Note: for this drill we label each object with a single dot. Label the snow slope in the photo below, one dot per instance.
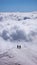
(18, 28)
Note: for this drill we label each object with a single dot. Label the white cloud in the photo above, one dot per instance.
(15, 27)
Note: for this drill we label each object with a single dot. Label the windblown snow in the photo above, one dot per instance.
(18, 28)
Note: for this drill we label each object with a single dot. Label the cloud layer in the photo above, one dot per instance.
(18, 26)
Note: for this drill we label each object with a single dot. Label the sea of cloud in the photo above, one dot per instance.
(18, 28)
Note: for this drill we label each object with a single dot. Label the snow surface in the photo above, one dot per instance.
(18, 28)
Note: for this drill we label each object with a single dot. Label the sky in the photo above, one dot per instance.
(18, 5)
